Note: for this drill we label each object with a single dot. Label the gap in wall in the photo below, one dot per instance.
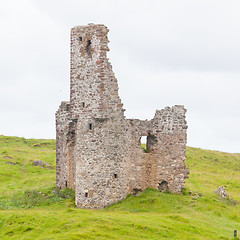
(143, 141)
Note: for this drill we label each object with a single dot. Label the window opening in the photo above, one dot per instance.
(88, 48)
(90, 126)
(83, 104)
(115, 175)
(89, 43)
(86, 194)
(143, 141)
(80, 39)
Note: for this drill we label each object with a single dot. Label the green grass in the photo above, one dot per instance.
(32, 208)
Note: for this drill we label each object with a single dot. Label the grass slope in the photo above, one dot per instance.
(40, 214)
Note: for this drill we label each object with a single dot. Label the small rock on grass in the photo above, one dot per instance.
(222, 192)
(12, 163)
(38, 162)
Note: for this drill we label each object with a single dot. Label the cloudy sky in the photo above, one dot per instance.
(163, 53)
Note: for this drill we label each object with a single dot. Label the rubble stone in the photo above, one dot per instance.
(222, 192)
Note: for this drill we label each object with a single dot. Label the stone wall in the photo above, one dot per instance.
(65, 143)
(99, 152)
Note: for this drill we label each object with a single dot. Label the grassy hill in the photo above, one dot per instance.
(32, 208)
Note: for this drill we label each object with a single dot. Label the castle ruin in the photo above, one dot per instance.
(99, 152)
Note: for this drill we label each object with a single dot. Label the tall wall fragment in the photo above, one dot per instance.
(99, 152)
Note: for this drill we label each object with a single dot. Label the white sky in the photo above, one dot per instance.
(163, 53)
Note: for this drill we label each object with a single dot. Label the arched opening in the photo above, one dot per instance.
(163, 186)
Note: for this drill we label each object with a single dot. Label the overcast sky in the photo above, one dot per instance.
(163, 53)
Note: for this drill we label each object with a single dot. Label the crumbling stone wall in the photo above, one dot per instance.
(99, 152)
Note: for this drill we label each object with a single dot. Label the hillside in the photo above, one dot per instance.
(32, 208)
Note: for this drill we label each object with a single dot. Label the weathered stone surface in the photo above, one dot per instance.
(99, 152)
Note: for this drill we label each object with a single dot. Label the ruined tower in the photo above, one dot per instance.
(99, 152)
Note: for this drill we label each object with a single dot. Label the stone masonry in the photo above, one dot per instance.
(99, 152)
